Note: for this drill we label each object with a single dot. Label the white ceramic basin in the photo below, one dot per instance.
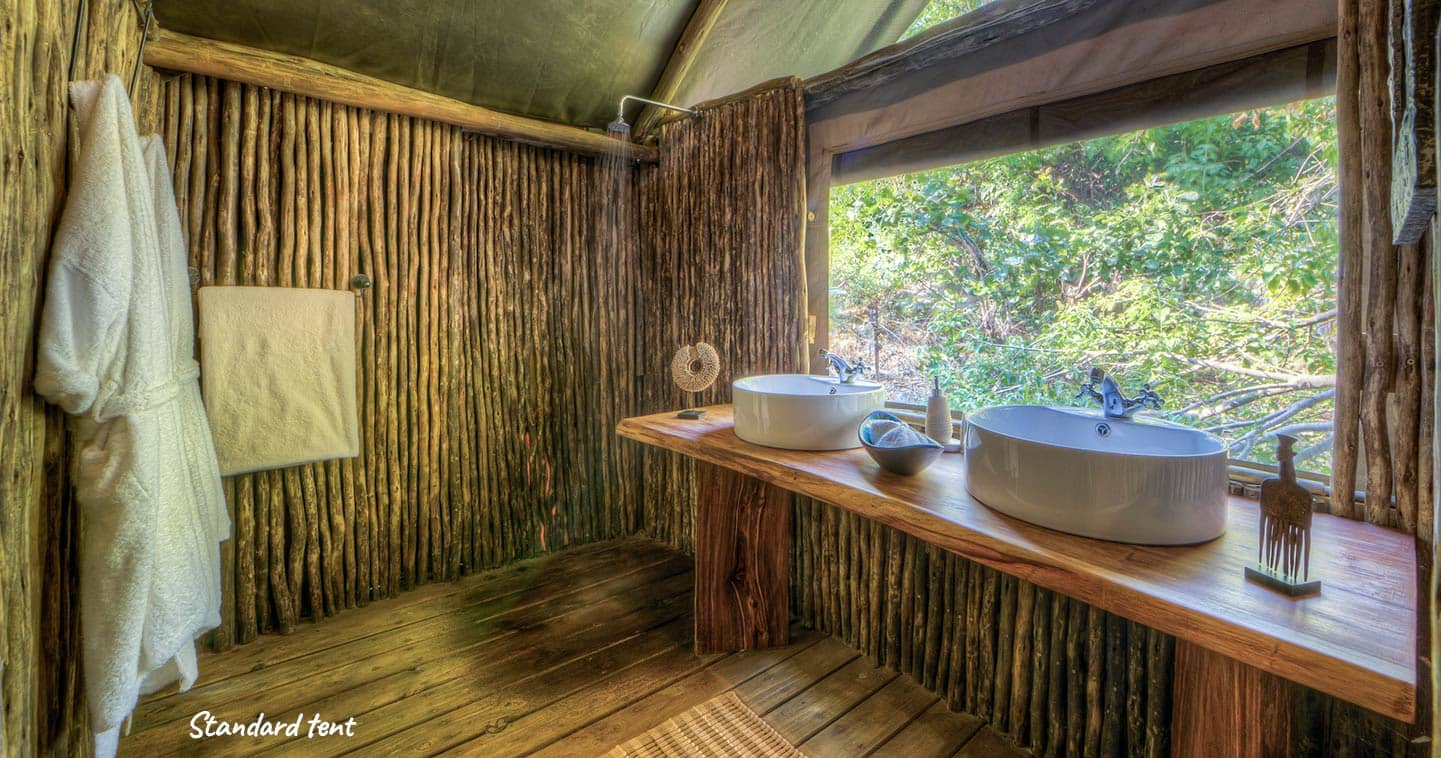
(802, 411)
(1076, 471)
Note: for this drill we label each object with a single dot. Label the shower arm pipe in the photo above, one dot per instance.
(620, 112)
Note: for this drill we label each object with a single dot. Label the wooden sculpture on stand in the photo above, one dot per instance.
(1284, 539)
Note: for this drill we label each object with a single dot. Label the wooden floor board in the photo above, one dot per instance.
(989, 743)
(475, 712)
(608, 730)
(568, 655)
(572, 712)
(568, 571)
(398, 701)
(375, 656)
(768, 691)
(933, 734)
(806, 714)
(869, 724)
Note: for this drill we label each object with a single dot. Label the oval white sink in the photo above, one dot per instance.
(803, 411)
(1078, 472)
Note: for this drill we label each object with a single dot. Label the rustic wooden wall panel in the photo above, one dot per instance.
(1061, 677)
(1381, 293)
(492, 359)
(510, 287)
(722, 218)
(44, 44)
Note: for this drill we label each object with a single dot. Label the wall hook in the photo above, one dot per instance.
(146, 10)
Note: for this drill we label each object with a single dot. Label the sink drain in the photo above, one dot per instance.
(1103, 430)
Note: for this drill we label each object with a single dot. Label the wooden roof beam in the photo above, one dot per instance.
(682, 58)
(311, 78)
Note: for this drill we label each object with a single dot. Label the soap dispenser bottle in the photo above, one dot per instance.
(938, 414)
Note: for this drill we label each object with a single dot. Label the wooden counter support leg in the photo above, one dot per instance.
(1226, 708)
(742, 562)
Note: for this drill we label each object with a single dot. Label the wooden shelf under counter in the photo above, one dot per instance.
(1355, 641)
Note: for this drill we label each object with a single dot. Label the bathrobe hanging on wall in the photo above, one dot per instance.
(116, 350)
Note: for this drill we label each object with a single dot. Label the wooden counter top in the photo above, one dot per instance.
(1356, 641)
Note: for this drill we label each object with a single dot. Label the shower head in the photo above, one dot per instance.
(618, 126)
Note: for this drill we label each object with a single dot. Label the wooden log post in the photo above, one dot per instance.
(742, 536)
(174, 51)
(1223, 707)
(1381, 276)
(1350, 347)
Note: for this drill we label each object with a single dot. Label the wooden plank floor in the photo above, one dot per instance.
(567, 655)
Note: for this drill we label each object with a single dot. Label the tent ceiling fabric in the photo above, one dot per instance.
(758, 40)
(558, 60)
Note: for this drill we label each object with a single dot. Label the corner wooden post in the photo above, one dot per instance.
(742, 562)
(1223, 707)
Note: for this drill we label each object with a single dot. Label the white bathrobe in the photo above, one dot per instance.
(117, 351)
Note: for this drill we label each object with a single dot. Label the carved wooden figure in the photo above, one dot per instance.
(1284, 543)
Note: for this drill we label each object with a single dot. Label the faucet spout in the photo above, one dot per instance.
(846, 372)
(1113, 403)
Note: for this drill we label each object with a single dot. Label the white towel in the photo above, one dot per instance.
(278, 367)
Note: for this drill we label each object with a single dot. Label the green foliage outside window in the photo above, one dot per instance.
(940, 11)
(1199, 256)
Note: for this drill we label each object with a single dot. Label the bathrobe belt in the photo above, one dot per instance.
(150, 397)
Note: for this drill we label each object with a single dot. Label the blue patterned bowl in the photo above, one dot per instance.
(895, 446)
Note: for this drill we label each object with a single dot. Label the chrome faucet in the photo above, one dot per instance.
(848, 373)
(1113, 403)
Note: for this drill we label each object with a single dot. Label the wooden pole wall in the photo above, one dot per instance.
(1061, 677)
(722, 218)
(45, 45)
(492, 360)
(518, 312)
(1381, 294)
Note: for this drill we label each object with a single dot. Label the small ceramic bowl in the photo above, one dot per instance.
(907, 459)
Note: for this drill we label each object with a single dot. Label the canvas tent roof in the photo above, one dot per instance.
(566, 61)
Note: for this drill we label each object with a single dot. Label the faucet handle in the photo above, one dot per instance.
(1088, 389)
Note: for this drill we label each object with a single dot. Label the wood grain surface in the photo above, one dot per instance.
(1225, 708)
(480, 441)
(1355, 641)
(721, 222)
(743, 546)
(565, 655)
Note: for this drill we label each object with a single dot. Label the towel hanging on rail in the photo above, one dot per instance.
(279, 368)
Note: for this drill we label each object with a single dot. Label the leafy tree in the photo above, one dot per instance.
(1199, 256)
(938, 11)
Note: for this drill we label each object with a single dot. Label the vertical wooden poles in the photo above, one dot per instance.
(1380, 298)
(482, 346)
(1060, 677)
(721, 264)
